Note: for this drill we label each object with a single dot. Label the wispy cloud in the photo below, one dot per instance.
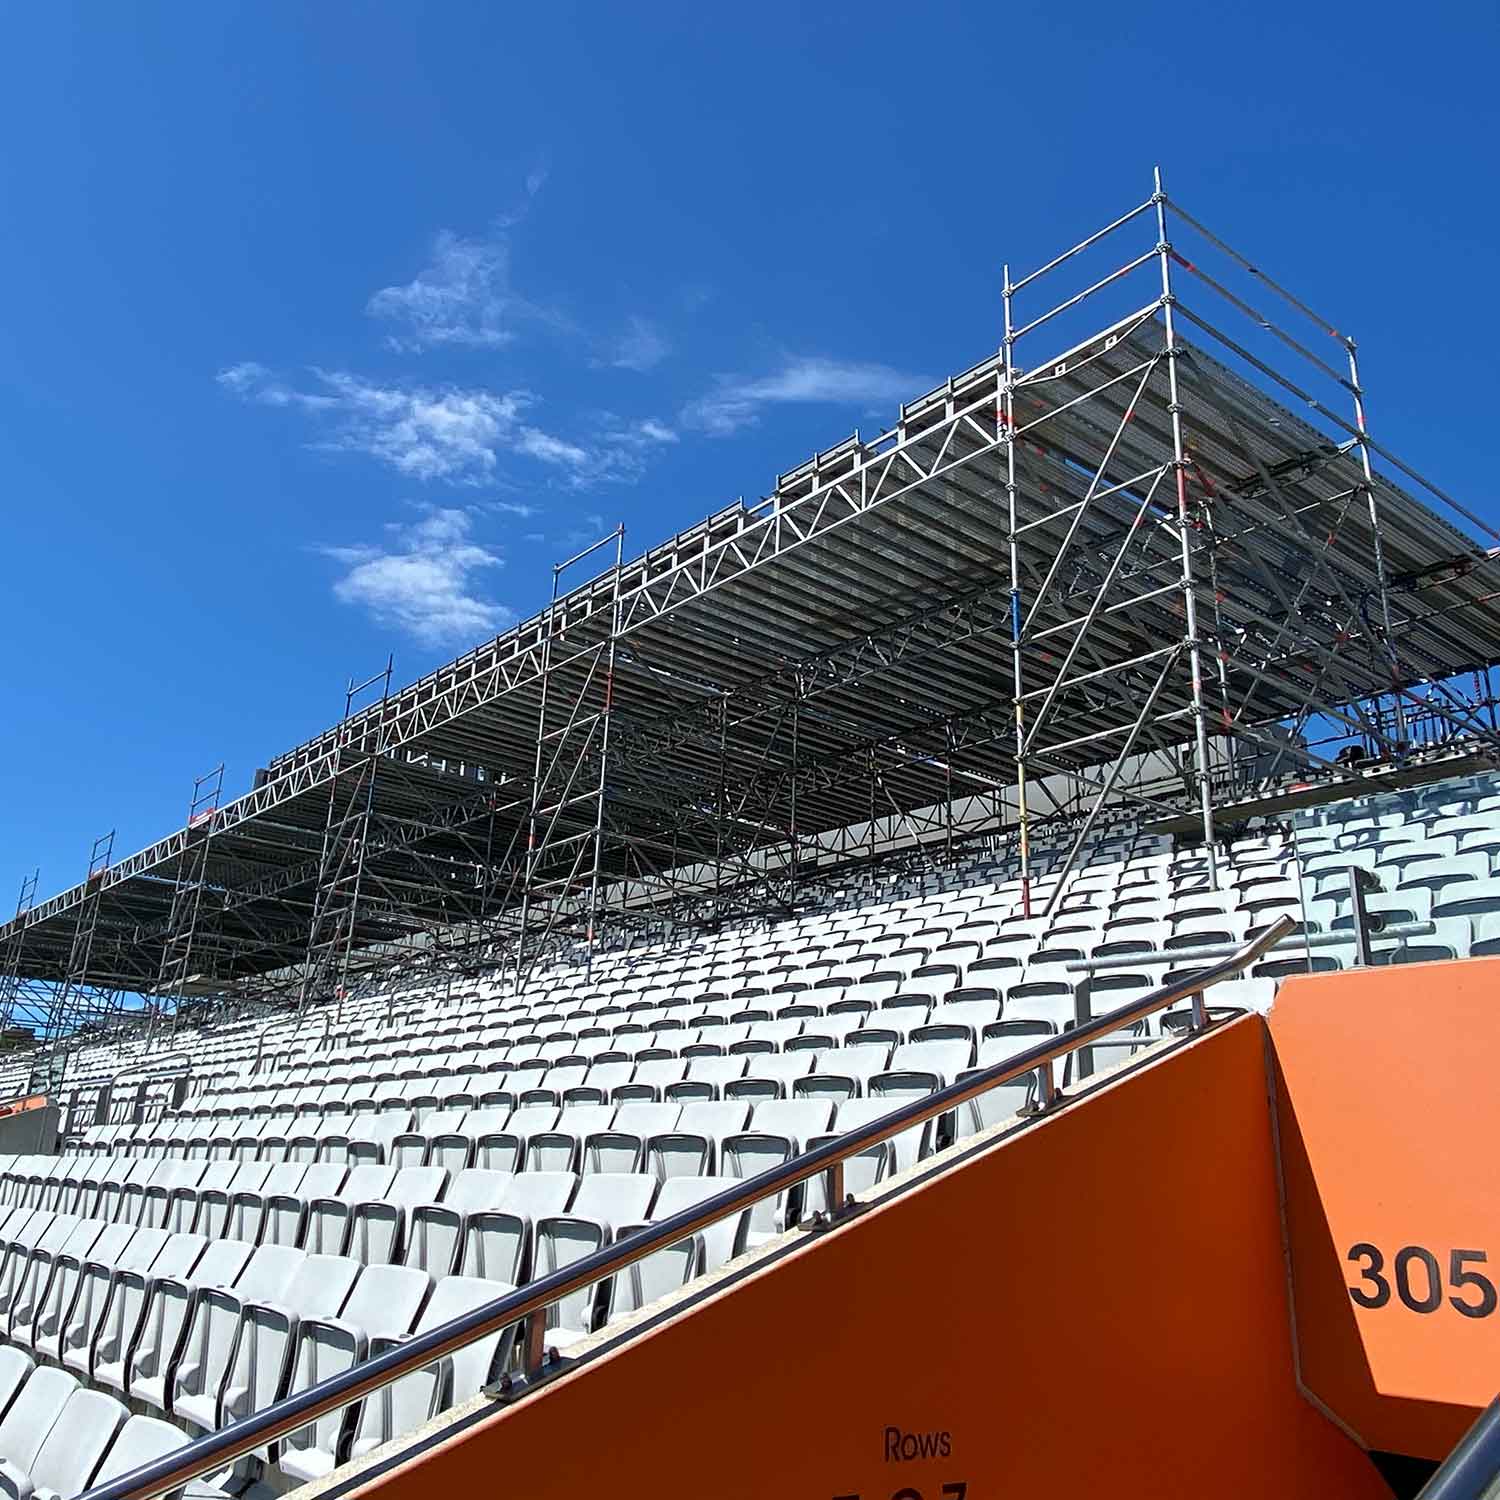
(464, 296)
(641, 347)
(252, 381)
(737, 401)
(625, 447)
(547, 449)
(424, 579)
(422, 432)
(590, 528)
(454, 434)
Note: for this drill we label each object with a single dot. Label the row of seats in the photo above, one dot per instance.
(204, 1331)
(846, 1056)
(226, 1048)
(1119, 869)
(59, 1438)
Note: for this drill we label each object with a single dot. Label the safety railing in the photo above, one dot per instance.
(528, 1305)
(1472, 1470)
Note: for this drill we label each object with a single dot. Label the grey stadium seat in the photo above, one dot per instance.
(196, 1364)
(72, 1451)
(384, 1304)
(32, 1415)
(436, 1232)
(497, 1243)
(410, 1401)
(604, 1201)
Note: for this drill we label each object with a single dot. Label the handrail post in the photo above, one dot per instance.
(833, 1180)
(1046, 1086)
(1200, 1010)
(1359, 913)
(534, 1347)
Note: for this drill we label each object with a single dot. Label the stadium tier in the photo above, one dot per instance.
(891, 956)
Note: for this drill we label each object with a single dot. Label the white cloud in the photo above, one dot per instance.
(625, 448)
(462, 297)
(454, 434)
(641, 347)
(423, 432)
(247, 378)
(254, 382)
(423, 580)
(550, 450)
(737, 400)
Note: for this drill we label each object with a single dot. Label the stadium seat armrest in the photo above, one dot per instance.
(15, 1482)
(271, 1312)
(564, 1221)
(492, 1218)
(337, 1330)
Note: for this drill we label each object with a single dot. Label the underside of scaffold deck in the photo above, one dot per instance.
(1134, 551)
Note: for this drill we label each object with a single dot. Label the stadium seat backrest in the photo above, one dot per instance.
(33, 1413)
(139, 1441)
(74, 1449)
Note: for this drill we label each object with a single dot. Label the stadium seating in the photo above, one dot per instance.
(58, 1438)
(318, 1187)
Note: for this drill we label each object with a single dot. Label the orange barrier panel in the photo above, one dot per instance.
(20, 1106)
(1098, 1306)
(1389, 1121)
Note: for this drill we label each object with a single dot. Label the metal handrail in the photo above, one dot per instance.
(1340, 937)
(1470, 1471)
(529, 1303)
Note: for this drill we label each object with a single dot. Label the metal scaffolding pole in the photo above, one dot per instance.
(180, 948)
(562, 891)
(1184, 521)
(795, 850)
(13, 953)
(604, 722)
(1005, 419)
(1374, 508)
(533, 816)
(721, 804)
(341, 867)
(69, 1009)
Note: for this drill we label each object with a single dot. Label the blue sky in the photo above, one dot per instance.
(330, 327)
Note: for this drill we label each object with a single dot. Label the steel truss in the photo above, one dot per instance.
(187, 942)
(23, 1001)
(341, 865)
(79, 1002)
(1128, 575)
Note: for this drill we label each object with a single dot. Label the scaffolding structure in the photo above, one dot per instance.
(340, 884)
(1148, 557)
(186, 944)
(23, 1001)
